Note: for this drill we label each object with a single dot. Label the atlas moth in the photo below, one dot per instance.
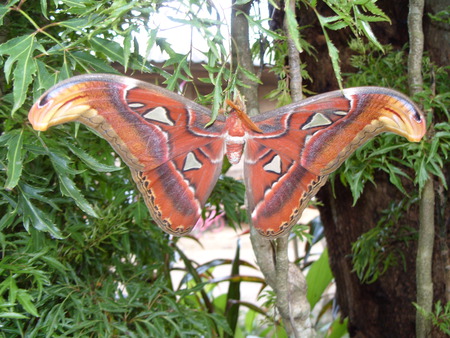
(175, 154)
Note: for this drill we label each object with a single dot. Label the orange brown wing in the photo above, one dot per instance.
(160, 135)
(303, 143)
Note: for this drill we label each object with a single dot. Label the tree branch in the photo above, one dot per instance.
(294, 59)
(242, 55)
(424, 259)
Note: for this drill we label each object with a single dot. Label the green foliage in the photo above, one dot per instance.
(318, 278)
(80, 255)
(229, 195)
(441, 16)
(353, 15)
(381, 247)
(440, 317)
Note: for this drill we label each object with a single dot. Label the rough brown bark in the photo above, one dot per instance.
(384, 308)
(437, 34)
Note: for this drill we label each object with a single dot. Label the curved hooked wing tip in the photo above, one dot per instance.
(397, 112)
(62, 103)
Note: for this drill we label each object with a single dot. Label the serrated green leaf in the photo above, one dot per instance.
(4, 9)
(88, 60)
(38, 219)
(26, 301)
(82, 22)
(111, 49)
(36, 193)
(250, 75)
(436, 170)
(12, 289)
(394, 178)
(370, 35)
(65, 72)
(20, 51)
(69, 189)
(292, 25)
(61, 164)
(15, 158)
(44, 8)
(337, 25)
(334, 55)
(44, 79)
(90, 161)
(326, 20)
(127, 50)
(7, 219)
(333, 52)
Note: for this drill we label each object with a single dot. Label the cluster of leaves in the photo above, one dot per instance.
(440, 317)
(353, 15)
(380, 248)
(109, 269)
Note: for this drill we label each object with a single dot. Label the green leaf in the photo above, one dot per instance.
(25, 300)
(21, 51)
(44, 79)
(333, 52)
(82, 22)
(36, 193)
(61, 164)
(4, 9)
(394, 173)
(15, 160)
(234, 293)
(69, 189)
(88, 60)
(7, 219)
(90, 161)
(38, 219)
(365, 26)
(338, 329)
(44, 8)
(292, 25)
(12, 315)
(111, 49)
(318, 278)
(250, 75)
(127, 49)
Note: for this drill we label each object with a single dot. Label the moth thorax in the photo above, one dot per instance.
(234, 147)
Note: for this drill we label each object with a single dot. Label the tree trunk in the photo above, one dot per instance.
(384, 308)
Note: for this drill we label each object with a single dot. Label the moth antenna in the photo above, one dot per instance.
(239, 108)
